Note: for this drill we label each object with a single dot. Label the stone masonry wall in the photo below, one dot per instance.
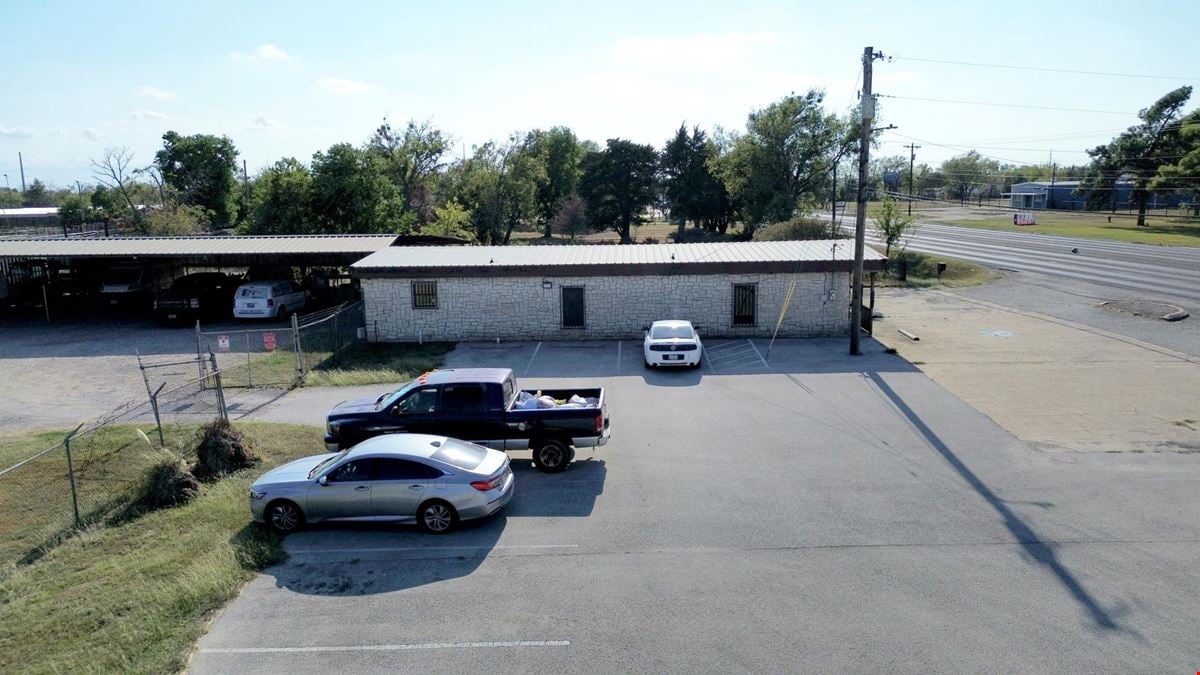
(519, 308)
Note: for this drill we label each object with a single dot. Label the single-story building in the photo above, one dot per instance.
(612, 291)
(1065, 195)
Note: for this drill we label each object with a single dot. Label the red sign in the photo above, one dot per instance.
(222, 343)
(269, 341)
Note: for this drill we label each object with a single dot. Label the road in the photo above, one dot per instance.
(1170, 273)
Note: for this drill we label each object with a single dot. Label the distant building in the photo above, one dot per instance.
(1065, 195)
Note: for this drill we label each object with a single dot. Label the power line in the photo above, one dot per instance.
(1045, 70)
(1004, 105)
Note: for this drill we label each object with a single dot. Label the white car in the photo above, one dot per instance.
(672, 343)
(268, 299)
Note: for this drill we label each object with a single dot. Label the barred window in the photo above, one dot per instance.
(745, 302)
(424, 295)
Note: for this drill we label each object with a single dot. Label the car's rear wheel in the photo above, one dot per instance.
(284, 516)
(437, 517)
(281, 312)
(551, 455)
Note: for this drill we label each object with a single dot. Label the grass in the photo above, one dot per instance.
(922, 272)
(361, 363)
(134, 596)
(1161, 231)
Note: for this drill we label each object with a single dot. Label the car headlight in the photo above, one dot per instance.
(255, 494)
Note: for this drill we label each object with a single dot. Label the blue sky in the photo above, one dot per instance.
(288, 79)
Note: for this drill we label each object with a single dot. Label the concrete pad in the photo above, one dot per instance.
(1056, 384)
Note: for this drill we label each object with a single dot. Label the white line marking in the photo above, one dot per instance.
(402, 549)
(392, 648)
(532, 357)
(760, 356)
(721, 345)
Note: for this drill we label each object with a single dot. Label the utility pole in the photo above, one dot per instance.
(245, 191)
(912, 157)
(21, 163)
(833, 201)
(867, 107)
(1053, 175)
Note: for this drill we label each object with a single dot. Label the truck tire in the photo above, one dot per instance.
(551, 455)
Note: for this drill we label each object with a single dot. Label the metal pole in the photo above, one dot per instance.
(142, 367)
(157, 420)
(864, 146)
(46, 303)
(298, 349)
(337, 343)
(249, 375)
(21, 161)
(912, 157)
(71, 473)
(220, 390)
(200, 356)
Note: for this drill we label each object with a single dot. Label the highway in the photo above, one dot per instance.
(1169, 273)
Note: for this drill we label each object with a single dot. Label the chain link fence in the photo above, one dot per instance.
(282, 356)
(98, 470)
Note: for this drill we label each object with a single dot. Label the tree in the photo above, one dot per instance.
(410, 160)
(784, 158)
(498, 186)
(965, 173)
(560, 153)
(202, 168)
(571, 218)
(9, 198)
(1138, 153)
(617, 184)
(351, 195)
(281, 202)
(891, 223)
(686, 175)
(112, 171)
(173, 220)
(76, 211)
(452, 220)
(1184, 173)
(37, 195)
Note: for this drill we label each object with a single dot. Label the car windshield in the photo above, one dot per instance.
(123, 276)
(668, 332)
(321, 467)
(391, 397)
(253, 292)
(463, 455)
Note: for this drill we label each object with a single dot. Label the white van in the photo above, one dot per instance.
(268, 299)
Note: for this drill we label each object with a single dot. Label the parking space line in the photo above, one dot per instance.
(760, 356)
(391, 648)
(532, 356)
(618, 356)
(405, 549)
(721, 345)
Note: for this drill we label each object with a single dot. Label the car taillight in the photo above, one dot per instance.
(599, 422)
(270, 302)
(490, 484)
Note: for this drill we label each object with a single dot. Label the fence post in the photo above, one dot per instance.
(142, 367)
(298, 348)
(337, 339)
(220, 390)
(199, 354)
(157, 420)
(249, 374)
(71, 473)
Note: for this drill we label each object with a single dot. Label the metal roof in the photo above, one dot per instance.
(705, 258)
(29, 212)
(194, 247)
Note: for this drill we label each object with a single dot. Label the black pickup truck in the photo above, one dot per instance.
(482, 405)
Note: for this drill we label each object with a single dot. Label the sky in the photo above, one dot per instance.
(290, 79)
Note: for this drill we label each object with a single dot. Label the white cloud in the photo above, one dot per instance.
(700, 49)
(267, 52)
(147, 115)
(90, 134)
(349, 87)
(264, 122)
(146, 91)
(15, 132)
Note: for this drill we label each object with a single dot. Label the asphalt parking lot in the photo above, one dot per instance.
(797, 511)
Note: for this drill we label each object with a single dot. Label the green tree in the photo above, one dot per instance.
(617, 184)
(76, 211)
(571, 218)
(891, 222)
(37, 194)
(411, 159)
(282, 200)
(560, 153)
(9, 199)
(965, 174)
(201, 168)
(173, 220)
(784, 159)
(498, 186)
(1184, 173)
(351, 194)
(1139, 153)
(451, 219)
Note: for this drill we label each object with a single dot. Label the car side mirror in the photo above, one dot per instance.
(323, 480)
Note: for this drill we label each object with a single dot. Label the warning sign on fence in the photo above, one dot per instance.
(269, 341)
(222, 343)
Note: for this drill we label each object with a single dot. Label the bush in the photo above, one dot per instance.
(169, 483)
(694, 235)
(798, 229)
(220, 450)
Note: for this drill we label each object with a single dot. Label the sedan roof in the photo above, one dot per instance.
(406, 445)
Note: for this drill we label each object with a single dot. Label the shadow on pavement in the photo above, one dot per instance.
(1031, 543)
(348, 559)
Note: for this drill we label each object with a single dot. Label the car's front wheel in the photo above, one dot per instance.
(284, 516)
(437, 517)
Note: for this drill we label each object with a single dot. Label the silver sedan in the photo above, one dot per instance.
(434, 481)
